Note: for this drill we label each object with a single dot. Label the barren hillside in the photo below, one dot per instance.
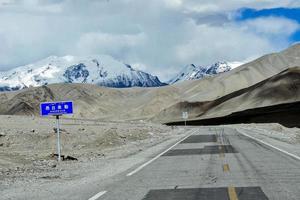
(281, 88)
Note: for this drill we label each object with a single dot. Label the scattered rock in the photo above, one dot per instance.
(70, 158)
(2, 135)
(150, 133)
(81, 129)
(1, 144)
(123, 136)
(32, 130)
(63, 157)
(60, 130)
(50, 177)
(52, 163)
(53, 155)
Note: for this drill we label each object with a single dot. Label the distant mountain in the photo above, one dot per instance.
(191, 72)
(224, 88)
(101, 70)
(273, 100)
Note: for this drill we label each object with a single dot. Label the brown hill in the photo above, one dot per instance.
(279, 89)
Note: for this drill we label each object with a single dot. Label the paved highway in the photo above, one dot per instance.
(209, 164)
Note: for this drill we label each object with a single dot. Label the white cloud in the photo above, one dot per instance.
(158, 36)
(32, 6)
(206, 6)
(222, 43)
(236, 40)
(173, 3)
(117, 45)
(272, 26)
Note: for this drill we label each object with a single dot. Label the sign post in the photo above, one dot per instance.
(58, 138)
(56, 109)
(185, 116)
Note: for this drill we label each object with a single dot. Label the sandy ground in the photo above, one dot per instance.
(27, 145)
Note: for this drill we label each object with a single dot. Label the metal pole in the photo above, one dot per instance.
(58, 138)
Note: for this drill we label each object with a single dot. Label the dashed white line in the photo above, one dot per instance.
(267, 144)
(156, 157)
(96, 196)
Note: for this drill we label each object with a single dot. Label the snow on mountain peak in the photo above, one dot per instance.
(102, 70)
(191, 72)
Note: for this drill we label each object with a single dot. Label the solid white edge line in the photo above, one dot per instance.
(96, 196)
(156, 157)
(278, 149)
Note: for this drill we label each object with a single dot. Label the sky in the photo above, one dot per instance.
(157, 36)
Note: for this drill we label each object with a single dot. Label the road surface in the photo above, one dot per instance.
(212, 163)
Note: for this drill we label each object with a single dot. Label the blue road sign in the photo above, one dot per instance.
(56, 108)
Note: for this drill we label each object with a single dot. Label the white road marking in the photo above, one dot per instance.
(96, 196)
(156, 157)
(265, 143)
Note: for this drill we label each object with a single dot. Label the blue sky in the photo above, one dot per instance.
(157, 36)
(289, 13)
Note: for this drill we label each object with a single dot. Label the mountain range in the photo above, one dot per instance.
(101, 70)
(270, 80)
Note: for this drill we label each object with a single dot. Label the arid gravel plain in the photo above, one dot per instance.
(28, 145)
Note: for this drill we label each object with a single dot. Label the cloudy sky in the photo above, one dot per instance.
(157, 36)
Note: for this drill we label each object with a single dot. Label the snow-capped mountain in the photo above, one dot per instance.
(191, 72)
(102, 70)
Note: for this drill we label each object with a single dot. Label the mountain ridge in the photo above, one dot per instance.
(194, 72)
(101, 70)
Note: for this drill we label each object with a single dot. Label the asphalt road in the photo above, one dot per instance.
(212, 163)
